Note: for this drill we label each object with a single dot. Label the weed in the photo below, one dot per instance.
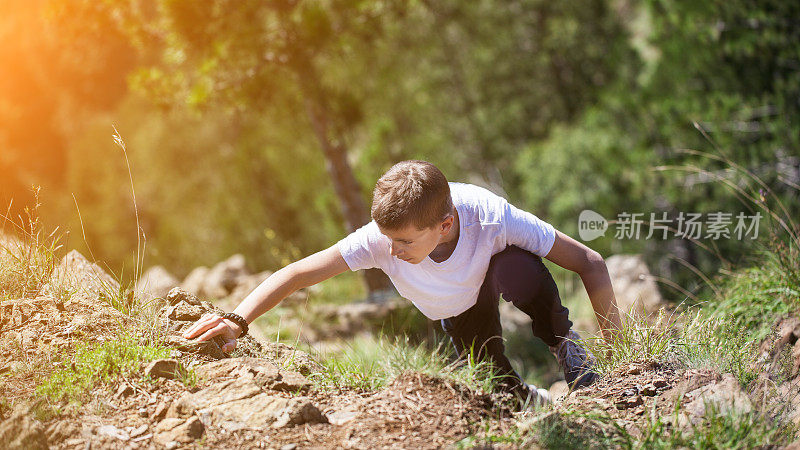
(95, 364)
(638, 340)
(369, 364)
(27, 262)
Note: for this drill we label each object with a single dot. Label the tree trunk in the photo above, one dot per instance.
(344, 182)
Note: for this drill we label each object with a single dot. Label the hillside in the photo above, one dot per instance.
(87, 364)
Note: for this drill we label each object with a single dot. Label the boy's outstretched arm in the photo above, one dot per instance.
(303, 273)
(571, 254)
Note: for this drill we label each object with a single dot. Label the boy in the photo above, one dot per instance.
(452, 249)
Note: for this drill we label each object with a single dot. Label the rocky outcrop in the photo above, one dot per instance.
(243, 397)
(156, 282)
(634, 287)
(219, 281)
(182, 309)
(76, 274)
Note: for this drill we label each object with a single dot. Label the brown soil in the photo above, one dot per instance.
(414, 411)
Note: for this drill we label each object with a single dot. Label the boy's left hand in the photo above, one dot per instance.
(211, 325)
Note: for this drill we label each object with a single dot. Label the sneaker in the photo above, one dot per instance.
(536, 397)
(575, 361)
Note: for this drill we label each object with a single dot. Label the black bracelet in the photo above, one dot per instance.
(238, 320)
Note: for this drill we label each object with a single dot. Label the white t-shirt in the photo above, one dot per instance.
(487, 224)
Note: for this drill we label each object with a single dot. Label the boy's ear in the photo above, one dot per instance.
(447, 224)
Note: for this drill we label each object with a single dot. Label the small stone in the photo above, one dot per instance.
(210, 347)
(141, 438)
(341, 417)
(163, 368)
(633, 370)
(138, 431)
(161, 410)
(113, 432)
(142, 412)
(648, 390)
(299, 412)
(124, 390)
(289, 447)
(177, 295)
(660, 383)
(178, 430)
(631, 402)
(629, 392)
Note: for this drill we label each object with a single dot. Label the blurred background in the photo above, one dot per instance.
(259, 127)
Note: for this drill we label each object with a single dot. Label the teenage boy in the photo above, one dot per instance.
(453, 249)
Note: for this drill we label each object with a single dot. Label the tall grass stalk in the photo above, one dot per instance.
(28, 256)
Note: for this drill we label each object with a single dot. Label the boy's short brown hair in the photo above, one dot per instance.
(411, 192)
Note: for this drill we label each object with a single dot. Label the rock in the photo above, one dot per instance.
(20, 431)
(264, 372)
(634, 288)
(28, 338)
(75, 273)
(298, 412)
(138, 431)
(630, 402)
(60, 431)
(155, 282)
(184, 312)
(113, 432)
(649, 390)
(124, 390)
(633, 369)
(177, 295)
(179, 430)
(163, 368)
(210, 348)
(240, 403)
(660, 383)
(287, 356)
(223, 278)
(725, 396)
(193, 282)
(161, 410)
(341, 417)
(245, 284)
(559, 390)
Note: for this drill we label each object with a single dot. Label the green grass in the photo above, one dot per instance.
(729, 430)
(369, 364)
(29, 254)
(96, 364)
(574, 429)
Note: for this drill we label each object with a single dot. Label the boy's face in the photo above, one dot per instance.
(413, 245)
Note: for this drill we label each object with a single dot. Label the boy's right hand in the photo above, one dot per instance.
(211, 325)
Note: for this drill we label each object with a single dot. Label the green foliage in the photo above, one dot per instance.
(369, 364)
(721, 344)
(573, 429)
(716, 430)
(640, 340)
(96, 364)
